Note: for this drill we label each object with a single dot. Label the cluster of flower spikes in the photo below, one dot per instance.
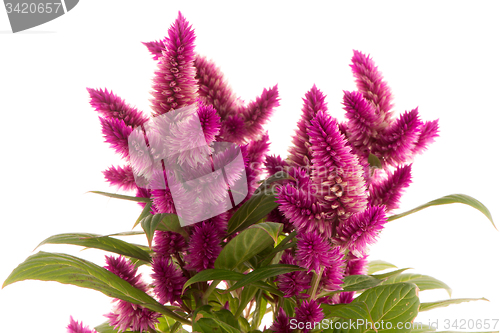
(183, 78)
(337, 201)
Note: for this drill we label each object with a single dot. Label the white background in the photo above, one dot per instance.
(442, 58)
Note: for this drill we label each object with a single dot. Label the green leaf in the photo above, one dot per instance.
(247, 244)
(423, 282)
(164, 222)
(374, 161)
(228, 318)
(272, 228)
(355, 310)
(449, 199)
(246, 296)
(263, 273)
(105, 328)
(389, 274)
(124, 197)
(378, 265)
(68, 269)
(213, 274)
(99, 242)
(257, 207)
(359, 282)
(259, 311)
(145, 212)
(440, 304)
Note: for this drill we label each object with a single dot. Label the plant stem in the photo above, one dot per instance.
(211, 287)
(314, 284)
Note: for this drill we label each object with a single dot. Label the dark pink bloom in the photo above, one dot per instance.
(399, 139)
(121, 177)
(313, 251)
(354, 266)
(388, 191)
(156, 48)
(204, 247)
(124, 269)
(371, 84)
(361, 229)
(76, 327)
(274, 164)
(333, 272)
(314, 102)
(233, 129)
(309, 313)
(292, 284)
(131, 316)
(282, 323)
(116, 133)
(209, 120)
(175, 84)
(112, 106)
(167, 280)
(428, 133)
(258, 112)
(167, 243)
(337, 173)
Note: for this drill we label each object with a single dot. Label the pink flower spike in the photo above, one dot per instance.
(282, 323)
(76, 327)
(156, 48)
(209, 120)
(121, 177)
(313, 251)
(116, 133)
(131, 316)
(258, 112)
(309, 312)
(111, 106)
(204, 247)
(175, 84)
(389, 191)
(428, 133)
(371, 84)
(314, 101)
(124, 269)
(168, 280)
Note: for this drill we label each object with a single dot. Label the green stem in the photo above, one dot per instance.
(314, 284)
(209, 290)
(175, 316)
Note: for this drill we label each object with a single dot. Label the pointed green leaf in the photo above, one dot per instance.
(355, 310)
(246, 296)
(449, 199)
(263, 273)
(247, 244)
(378, 265)
(145, 212)
(257, 207)
(440, 304)
(389, 274)
(374, 161)
(423, 282)
(213, 274)
(120, 196)
(99, 242)
(272, 228)
(68, 269)
(164, 222)
(359, 282)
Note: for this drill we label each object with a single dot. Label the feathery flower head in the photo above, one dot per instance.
(209, 120)
(313, 251)
(131, 316)
(168, 280)
(282, 323)
(175, 83)
(156, 48)
(309, 312)
(336, 171)
(333, 273)
(356, 265)
(121, 177)
(428, 133)
(361, 229)
(274, 164)
(167, 243)
(116, 133)
(258, 112)
(293, 283)
(76, 327)
(124, 269)
(204, 247)
(314, 102)
(388, 191)
(113, 107)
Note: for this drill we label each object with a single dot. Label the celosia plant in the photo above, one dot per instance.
(235, 233)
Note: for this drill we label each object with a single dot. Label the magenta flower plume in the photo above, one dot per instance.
(258, 112)
(233, 129)
(131, 316)
(175, 84)
(361, 229)
(167, 280)
(314, 102)
(124, 269)
(371, 84)
(274, 164)
(167, 243)
(354, 266)
(116, 133)
(156, 48)
(313, 251)
(428, 133)
(256, 154)
(333, 273)
(398, 141)
(213, 87)
(209, 120)
(292, 284)
(282, 323)
(204, 247)
(121, 177)
(309, 312)
(336, 171)
(388, 191)
(76, 327)
(111, 106)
